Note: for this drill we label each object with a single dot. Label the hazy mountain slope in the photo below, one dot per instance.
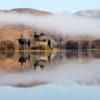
(15, 31)
(27, 11)
(89, 13)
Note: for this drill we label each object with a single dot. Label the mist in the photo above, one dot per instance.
(62, 23)
(63, 74)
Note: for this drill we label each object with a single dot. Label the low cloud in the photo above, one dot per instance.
(62, 23)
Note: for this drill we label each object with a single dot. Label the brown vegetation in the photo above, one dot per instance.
(7, 45)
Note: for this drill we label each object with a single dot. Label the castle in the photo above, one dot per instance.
(35, 41)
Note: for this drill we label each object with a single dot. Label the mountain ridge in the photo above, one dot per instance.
(27, 11)
(89, 13)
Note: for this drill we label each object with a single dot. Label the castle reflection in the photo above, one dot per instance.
(11, 61)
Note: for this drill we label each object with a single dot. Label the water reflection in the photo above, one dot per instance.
(35, 59)
(35, 68)
(42, 60)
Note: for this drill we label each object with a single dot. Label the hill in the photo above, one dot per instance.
(89, 13)
(27, 11)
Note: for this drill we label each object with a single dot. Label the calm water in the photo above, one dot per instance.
(66, 75)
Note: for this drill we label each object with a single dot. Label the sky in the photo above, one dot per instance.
(51, 5)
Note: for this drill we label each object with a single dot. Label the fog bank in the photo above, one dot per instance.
(62, 23)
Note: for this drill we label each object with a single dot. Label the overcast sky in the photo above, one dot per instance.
(52, 5)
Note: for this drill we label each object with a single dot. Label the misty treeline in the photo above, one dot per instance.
(61, 24)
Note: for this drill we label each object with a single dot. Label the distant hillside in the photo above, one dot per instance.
(13, 32)
(89, 13)
(27, 11)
